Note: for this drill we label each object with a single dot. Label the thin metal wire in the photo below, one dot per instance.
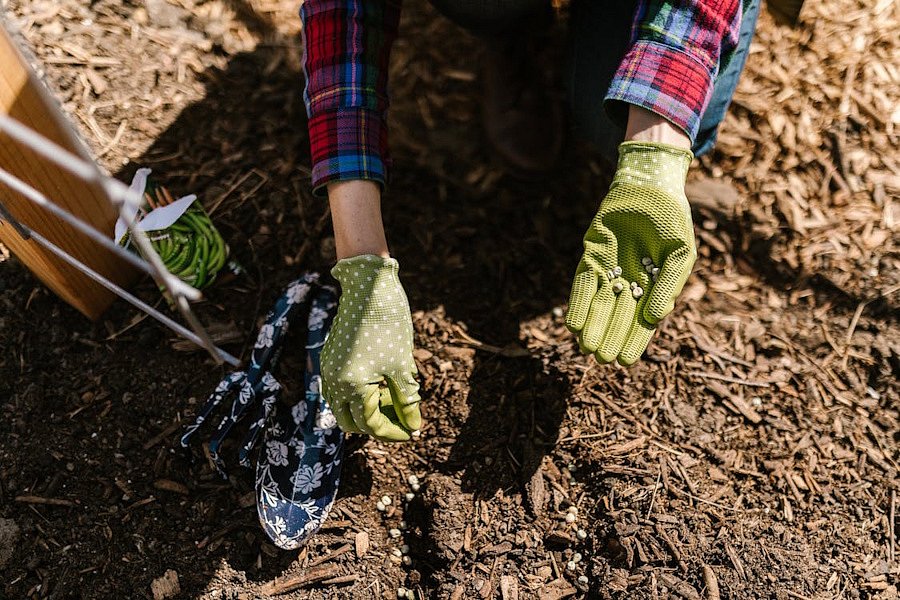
(125, 295)
(123, 198)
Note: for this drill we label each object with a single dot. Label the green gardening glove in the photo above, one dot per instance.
(368, 371)
(638, 252)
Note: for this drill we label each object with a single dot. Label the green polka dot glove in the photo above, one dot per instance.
(638, 253)
(368, 371)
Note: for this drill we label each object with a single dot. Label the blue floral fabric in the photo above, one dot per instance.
(298, 469)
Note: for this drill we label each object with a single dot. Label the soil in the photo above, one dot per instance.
(752, 454)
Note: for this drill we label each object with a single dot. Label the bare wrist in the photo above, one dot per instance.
(356, 216)
(646, 126)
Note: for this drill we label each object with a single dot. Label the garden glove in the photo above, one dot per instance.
(368, 371)
(638, 253)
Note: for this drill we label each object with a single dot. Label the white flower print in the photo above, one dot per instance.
(265, 336)
(299, 412)
(325, 420)
(278, 525)
(297, 292)
(298, 445)
(317, 318)
(307, 478)
(277, 453)
(315, 386)
(270, 384)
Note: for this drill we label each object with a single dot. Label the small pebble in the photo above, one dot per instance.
(649, 269)
(401, 593)
(572, 509)
(637, 292)
(416, 433)
(386, 500)
(394, 533)
(410, 496)
(412, 480)
(655, 271)
(404, 549)
(380, 506)
(410, 595)
(583, 580)
(577, 557)
(617, 271)
(646, 261)
(633, 284)
(570, 517)
(415, 487)
(756, 401)
(396, 552)
(403, 525)
(407, 560)
(618, 287)
(610, 275)
(582, 534)
(558, 312)
(571, 565)
(395, 559)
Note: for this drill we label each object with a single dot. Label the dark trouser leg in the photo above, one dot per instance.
(490, 18)
(600, 33)
(522, 117)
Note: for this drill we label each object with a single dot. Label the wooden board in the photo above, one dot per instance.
(24, 97)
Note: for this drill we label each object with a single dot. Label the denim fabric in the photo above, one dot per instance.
(599, 37)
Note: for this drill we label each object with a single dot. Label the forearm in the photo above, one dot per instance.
(646, 126)
(356, 216)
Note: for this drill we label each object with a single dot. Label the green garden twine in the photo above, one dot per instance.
(191, 248)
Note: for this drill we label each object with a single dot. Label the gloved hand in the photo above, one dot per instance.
(368, 371)
(638, 253)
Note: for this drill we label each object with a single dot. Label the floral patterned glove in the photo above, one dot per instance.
(638, 253)
(368, 371)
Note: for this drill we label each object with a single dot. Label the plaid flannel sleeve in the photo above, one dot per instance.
(347, 46)
(677, 49)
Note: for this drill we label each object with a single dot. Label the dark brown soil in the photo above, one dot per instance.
(754, 451)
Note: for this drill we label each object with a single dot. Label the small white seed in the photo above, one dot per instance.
(582, 534)
(583, 580)
(617, 271)
(618, 287)
(380, 506)
(410, 496)
(571, 565)
(404, 549)
(570, 517)
(415, 487)
(394, 533)
(386, 500)
(401, 593)
(637, 292)
(407, 560)
(412, 480)
(396, 552)
(633, 284)
(577, 557)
